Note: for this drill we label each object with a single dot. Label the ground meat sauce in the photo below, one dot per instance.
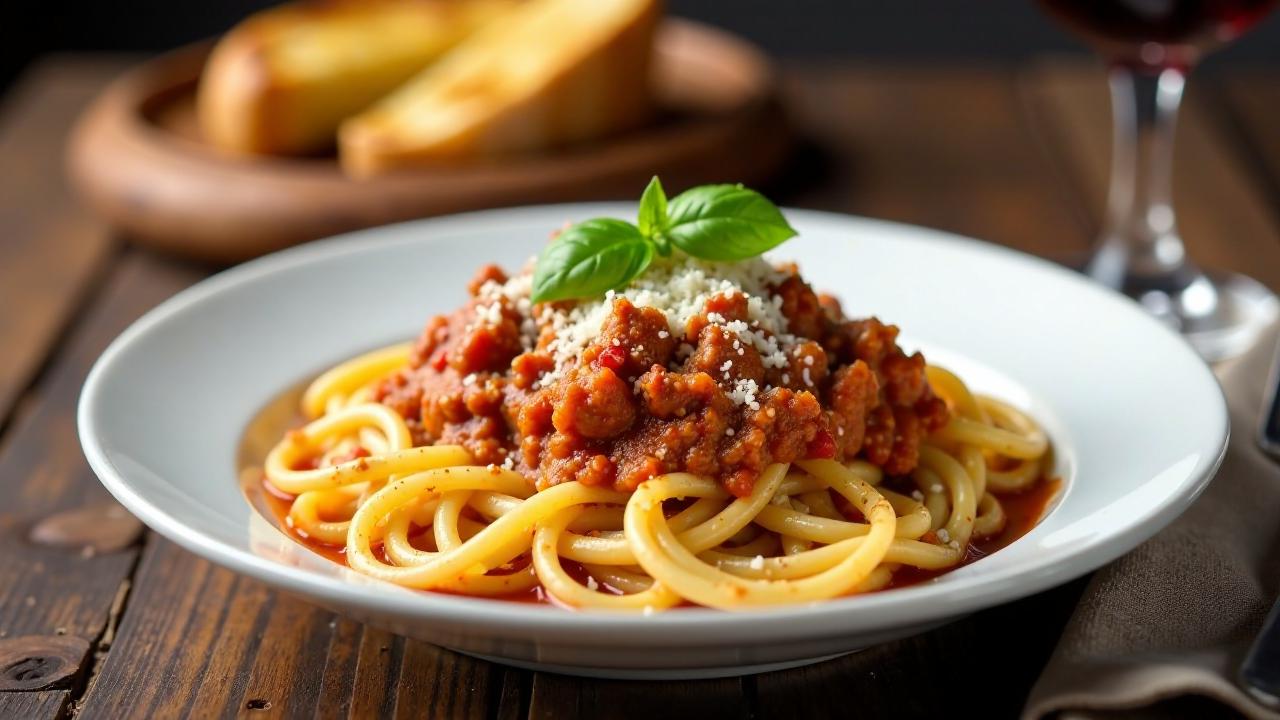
(638, 401)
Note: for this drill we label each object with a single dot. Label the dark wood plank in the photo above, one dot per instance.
(514, 695)
(223, 620)
(55, 590)
(445, 683)
(289, 658)
(921, 676)
(187, 640)
(1223, 212)
(198, 637)
(337, 686)
(941, 147)
(47, 704)
(52, 247)
(53, 251)
(378, 659)
(1251, 101)
(560, 696)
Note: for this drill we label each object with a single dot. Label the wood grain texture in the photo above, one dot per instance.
(1223, 212)
(949, 148)
(51, 248)
(104, 527)
(560, 696)
(52, 590)
(197, 636)
(30, 705)
(40, 662)
(922, 676)
(1250, 100)
(55, 590)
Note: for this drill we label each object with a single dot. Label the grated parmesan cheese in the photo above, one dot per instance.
(678, 286)
(744, 393)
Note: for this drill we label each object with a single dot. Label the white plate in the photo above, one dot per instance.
(1138, 422)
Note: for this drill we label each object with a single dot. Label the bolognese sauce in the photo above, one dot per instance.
(682, 374)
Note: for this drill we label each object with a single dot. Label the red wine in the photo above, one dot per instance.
(1159, 33)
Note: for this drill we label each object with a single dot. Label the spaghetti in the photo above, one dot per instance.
(431, 517)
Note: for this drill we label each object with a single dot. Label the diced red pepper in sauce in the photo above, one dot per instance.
(612, 357)
(822, 447)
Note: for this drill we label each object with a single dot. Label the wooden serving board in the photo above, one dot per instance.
(137, 157)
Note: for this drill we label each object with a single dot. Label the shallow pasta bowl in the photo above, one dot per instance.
(1137, 420)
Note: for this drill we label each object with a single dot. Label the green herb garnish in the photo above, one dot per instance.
(711, 222)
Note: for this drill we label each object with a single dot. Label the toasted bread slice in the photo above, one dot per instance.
(549, 73)
(281, 81)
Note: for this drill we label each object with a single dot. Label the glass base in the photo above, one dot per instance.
(1221, 315)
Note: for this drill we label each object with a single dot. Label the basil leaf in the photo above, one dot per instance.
(589, 258)
(653, 209)
(725, 223)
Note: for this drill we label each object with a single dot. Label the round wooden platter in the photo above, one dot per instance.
(138, 158)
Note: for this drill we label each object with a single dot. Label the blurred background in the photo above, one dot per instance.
(983, 30)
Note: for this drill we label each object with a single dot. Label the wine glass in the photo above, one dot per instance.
(1150, 46)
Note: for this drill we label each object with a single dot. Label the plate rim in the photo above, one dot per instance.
(699, 627)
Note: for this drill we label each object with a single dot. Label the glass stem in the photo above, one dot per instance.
(1140, 249)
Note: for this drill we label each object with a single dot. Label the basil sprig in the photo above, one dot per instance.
(713, 222)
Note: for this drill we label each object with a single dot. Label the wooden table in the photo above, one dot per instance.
(1015, 156)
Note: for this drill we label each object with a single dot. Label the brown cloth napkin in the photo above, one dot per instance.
(1162, 631)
